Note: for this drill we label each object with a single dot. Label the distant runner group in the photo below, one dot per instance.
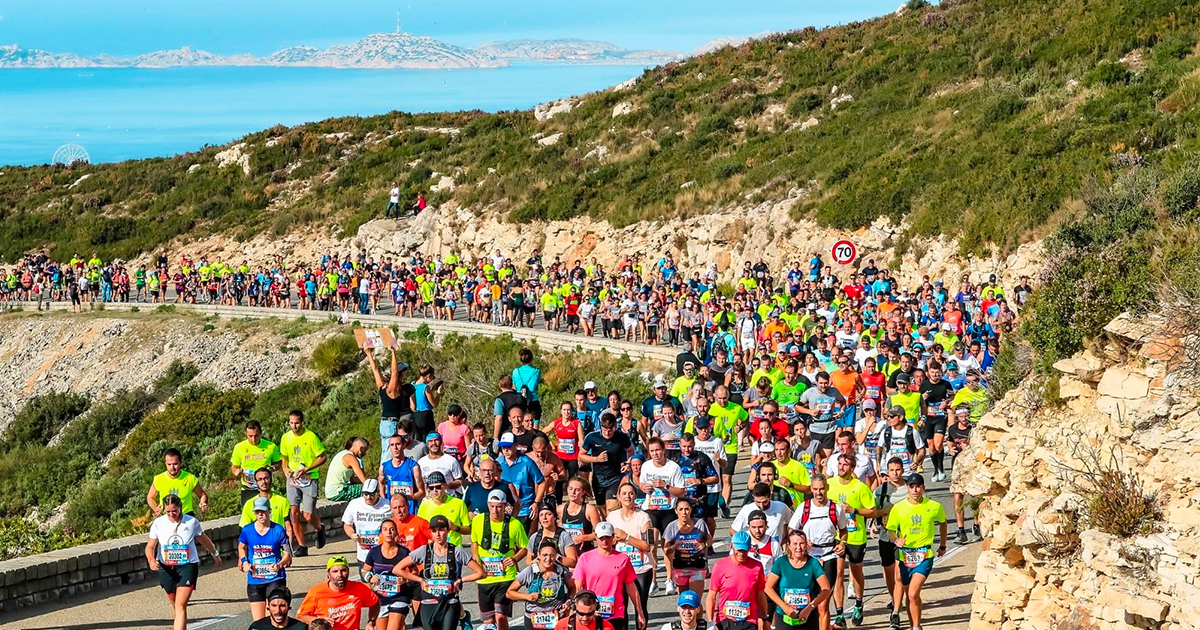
(838, 395)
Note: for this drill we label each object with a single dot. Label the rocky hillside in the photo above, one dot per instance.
(93, 355)
(1090, 505)
(968, 121)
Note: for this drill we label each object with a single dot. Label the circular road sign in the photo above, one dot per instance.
(844, 252)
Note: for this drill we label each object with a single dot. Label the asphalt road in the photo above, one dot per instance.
(220, 601)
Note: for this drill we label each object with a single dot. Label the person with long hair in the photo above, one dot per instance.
(579, 516)
(171, 552)
(634, 536)
(798, 587)
(440, 577)
(377, 572)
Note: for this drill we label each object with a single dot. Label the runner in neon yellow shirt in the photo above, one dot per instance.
(179, 482)
(911, 524)
(855, 497)
(250, 455)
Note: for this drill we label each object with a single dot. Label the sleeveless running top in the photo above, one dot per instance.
(577, 524)
(568, 439)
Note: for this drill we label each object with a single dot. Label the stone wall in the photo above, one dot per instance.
(1043, 567)
(67, 573)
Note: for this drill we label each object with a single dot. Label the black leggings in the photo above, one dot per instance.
(642, 583)
(447, 620)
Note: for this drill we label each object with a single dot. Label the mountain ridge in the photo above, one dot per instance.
(377, 50)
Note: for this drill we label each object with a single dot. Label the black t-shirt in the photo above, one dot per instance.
(698, 466)
(892, 379)
(959, 437)
(939, 396)
(524, 441)
(609, 472)
(398, 406)
(265, 624)
(509, 399)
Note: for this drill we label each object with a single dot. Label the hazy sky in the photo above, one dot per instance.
(125, 27)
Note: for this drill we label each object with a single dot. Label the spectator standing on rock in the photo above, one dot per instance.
(176, 482)
(395, 395)
(427, 393)
(420, 204)
(393, 202)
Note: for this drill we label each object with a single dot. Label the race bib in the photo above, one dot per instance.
(368, 540)
(566, 446)
(248, 477)
(175, 555)
(389, 585)
(736, 609)
(437, 588)
(605, 605)
(797, 597)
(873, 392)
(659, 501)
(635, 556)
(263, 568)
(494, 567)
(303, 481)
(852, 525)
(914, 557)
(934, 408)
(543, 620)
(451, 450)
(397, 487)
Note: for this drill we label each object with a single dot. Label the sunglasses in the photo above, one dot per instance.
(626, 408)
(580, 613)
(436, 487)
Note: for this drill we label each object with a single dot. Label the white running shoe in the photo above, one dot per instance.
(653, 587)
(671, 590)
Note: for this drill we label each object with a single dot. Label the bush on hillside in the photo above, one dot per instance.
(178, 374)
(19, 538)
(336, 356)
(42, 418)
(196, 413)
(93, 436)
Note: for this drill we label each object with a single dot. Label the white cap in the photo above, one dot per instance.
(507, 439)
(660, 381)
(589, 385)
(497, 496)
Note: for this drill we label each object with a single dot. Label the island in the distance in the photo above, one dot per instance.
(380, 50)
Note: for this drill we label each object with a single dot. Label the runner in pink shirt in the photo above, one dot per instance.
(608, 574)
(737, 595)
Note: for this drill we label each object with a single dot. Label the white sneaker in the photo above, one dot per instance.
(670, 588)
(653, 587)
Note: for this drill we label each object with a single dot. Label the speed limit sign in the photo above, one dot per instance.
(844, 252)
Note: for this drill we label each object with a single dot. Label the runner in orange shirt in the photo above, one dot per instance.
(412, 529)
(339, 600)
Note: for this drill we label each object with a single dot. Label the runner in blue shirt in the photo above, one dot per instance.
(264, 557)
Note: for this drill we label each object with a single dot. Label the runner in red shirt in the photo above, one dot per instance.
(569, 432)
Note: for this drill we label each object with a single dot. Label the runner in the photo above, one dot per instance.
(935, 398)
(578, 517)
(737, 598)
(303, 454)
(499, 546)
(824, 405)
(339, 600)
(279, 607)
(585, 614)
(893, 490)
(455, 432)
(438, 503)
(377, 570)
(900, 439)
(777, 513)
(610, 577)
(364, 516)
(730, 420)
(436, 460)
(280, 509)
(798, 587)
(548, 529)
(959, 435)
(846, 445)
(412, 530)
(763, 548)
(524, 475)
(824, 524)
(401, 475)
(264, 557)
(686, 542)
(476, 495)
(176, 482)
(569, 431)
(858, 503)
(545, 586)
(171, 552)
(688, 606)
(662, 481)
(441, 567)
(714, 448)
(606, 451)
(912, 523)
(249, 456)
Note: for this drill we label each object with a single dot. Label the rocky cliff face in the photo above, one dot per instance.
(1048, 562)
(96, 355)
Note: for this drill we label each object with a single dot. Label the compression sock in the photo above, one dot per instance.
(938, 457)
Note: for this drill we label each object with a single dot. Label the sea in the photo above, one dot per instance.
(126, 113)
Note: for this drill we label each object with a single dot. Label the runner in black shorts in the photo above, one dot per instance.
(606, 452)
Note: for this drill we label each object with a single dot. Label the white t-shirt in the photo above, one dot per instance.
(862, 354)
(634, 526)
(777, 513)
(395, 194)
(898, 446)
(715, 449)
(766, 558)
(669, 472)
(367, 520)
(445, 464)
(176, 539)
(821, 532)
(863, 468)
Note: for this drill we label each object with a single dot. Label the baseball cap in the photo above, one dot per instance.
(869, 404)
(497, 496)
(589, 385)
(433, 436)
(546, 505)
(687, 364)
(896, 410)
(915, 479)
(370, 486)
(401, 367)
(439, 522)
(281, 592)
(263, 504)
(756, 515)
(507, 440)
(689, 598)
(952, 366)
(604, 529)
(335, 561)
(703, 422)
(435, 478)
(660, 381)
(741, 541)
(455, 410)
(902, 377)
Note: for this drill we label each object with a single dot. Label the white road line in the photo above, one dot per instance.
(949, 554)
(210, 621)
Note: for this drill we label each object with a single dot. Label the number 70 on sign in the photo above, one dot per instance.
(844, 252)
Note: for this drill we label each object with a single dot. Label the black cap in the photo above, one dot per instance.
(281, 592)
(439, 522)
(454, 410)
(915, 479)
(902, 377)
(896, 410)
(755, 515)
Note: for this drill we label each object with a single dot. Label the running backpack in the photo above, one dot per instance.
(451, 562)
(909, 443)
(505, 543)
(808, 504)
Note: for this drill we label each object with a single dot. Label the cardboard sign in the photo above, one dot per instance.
(374, 338)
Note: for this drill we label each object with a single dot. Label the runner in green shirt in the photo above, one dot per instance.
(250, 455)
(500, 542)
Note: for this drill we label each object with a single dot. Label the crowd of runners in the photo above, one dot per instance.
(838, 397)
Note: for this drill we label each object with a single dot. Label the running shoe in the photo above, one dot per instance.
(894, 622)
(856, 614)
(671, 590)
(839, 621)
(653, 587)
(321, 538)
(301, 552)
(962, 536)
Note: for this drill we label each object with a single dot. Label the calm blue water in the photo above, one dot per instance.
(119, 114)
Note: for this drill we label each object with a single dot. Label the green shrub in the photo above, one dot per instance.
(1108, 73)
(42, 418)
(336, 356)
(19, 538)
(178, 374)
(803, 104)
(196, 413)
(1119, 505)
(96, 434)
(1181, 192)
